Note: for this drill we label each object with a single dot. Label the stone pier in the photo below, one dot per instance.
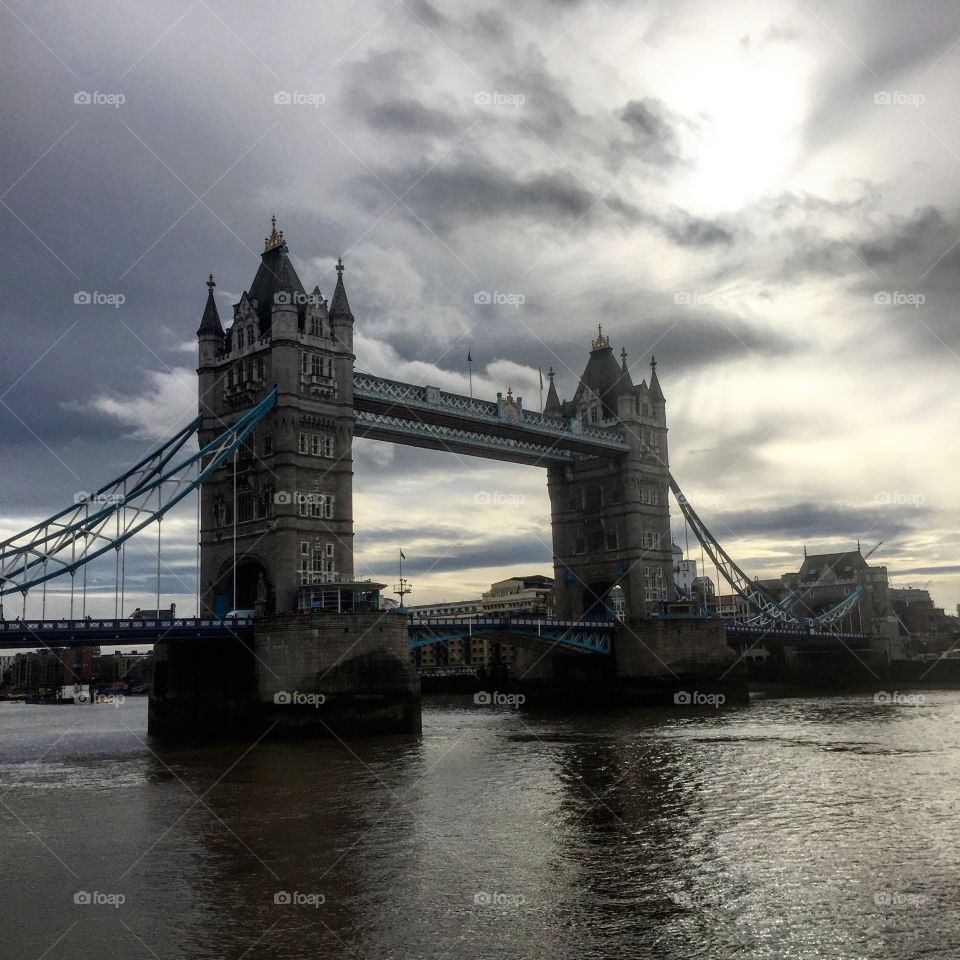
(314, 675)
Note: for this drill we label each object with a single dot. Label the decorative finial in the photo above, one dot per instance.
(211, 283)
(339, 266)
(602, 342)
(509, 394)
(276, 237)
(623, 354)
(550, 373)
(653, 364)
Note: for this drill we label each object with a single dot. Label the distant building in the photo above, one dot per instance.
(923, 625)
(684, 574)
(131, 669)
(522, 596)
(826, 579)
(519, 596)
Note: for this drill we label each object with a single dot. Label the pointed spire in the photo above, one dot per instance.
(276, 237)
(210, 325)
(655, 392)
(602, 342)
(552, 407)
(339, 307)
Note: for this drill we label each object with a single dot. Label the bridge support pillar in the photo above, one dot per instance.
(343, 674)
(301, 675)
(666, 661)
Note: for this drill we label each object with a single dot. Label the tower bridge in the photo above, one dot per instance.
(280, 403)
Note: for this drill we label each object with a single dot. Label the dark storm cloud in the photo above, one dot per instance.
(383, 89)
(944, 569)
(811, 520)
(652, 129)
(904, 238)
(457, 194)
(529, 552)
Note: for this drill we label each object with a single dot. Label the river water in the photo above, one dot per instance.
(796, 827)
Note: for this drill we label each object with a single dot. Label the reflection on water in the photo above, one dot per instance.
(795, 828)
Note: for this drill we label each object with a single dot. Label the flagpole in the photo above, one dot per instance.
(541, 390)
(470, 370)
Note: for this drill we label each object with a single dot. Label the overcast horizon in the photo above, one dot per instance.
(764, 198)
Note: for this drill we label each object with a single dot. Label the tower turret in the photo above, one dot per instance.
(210, 332)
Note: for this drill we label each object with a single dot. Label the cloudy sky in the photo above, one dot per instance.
(763, 195)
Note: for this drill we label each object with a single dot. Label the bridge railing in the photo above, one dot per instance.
(368, 386)
(133, 626)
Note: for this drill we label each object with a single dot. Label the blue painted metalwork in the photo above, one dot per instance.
(122, 508)
(768, 610)
(590, 636)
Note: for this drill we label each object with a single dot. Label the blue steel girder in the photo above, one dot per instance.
(427, 416)
(120, 509)
(585, 636)
(768, 610)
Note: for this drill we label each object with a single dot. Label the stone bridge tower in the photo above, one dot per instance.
(611, 518)
(291, 520)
